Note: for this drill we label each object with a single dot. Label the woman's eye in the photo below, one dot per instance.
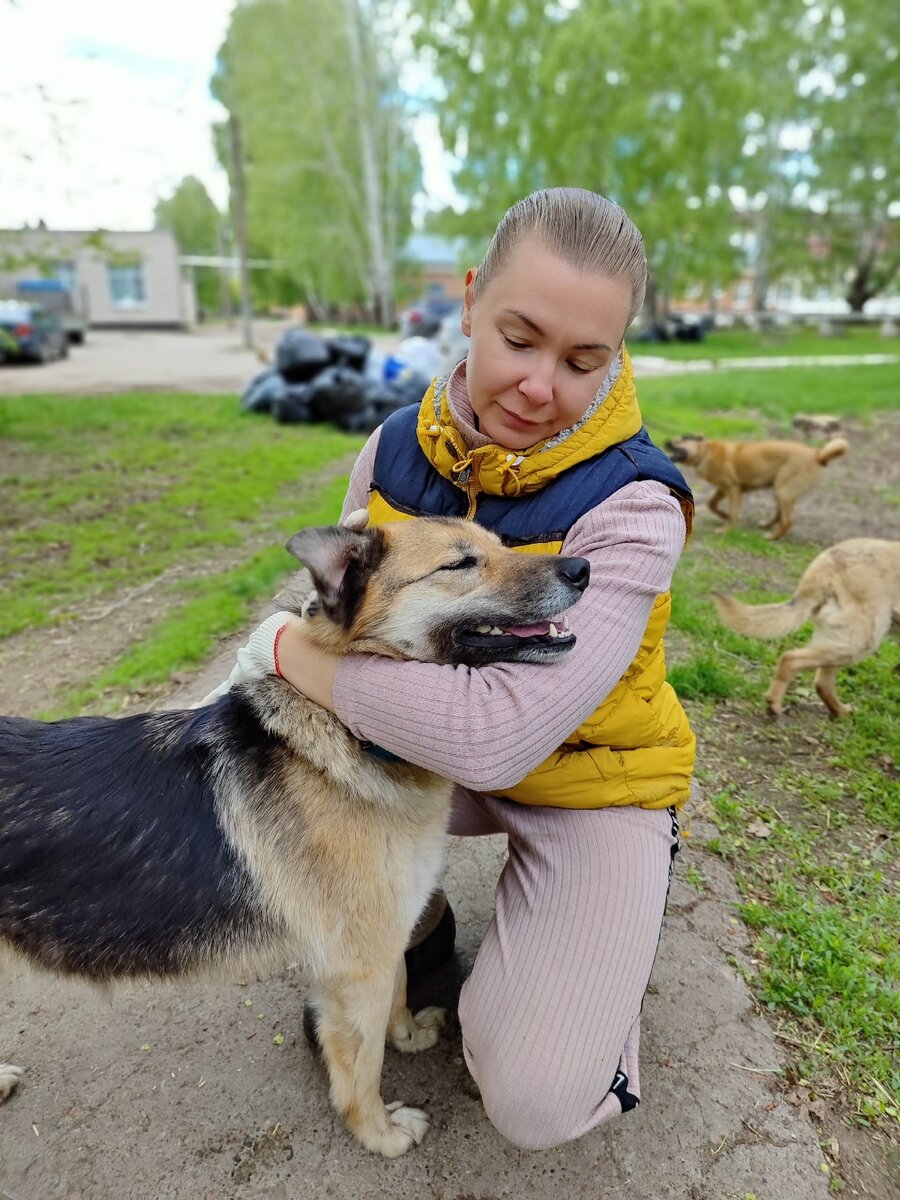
(515, 345)
(464, 564)
(579, 369)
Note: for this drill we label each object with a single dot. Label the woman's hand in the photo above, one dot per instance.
(305, 666)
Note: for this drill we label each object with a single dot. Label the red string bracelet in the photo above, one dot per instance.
(278, 670)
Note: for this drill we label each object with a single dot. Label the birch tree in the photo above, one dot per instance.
(331, 166)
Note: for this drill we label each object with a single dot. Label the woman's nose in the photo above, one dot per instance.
(537, 386)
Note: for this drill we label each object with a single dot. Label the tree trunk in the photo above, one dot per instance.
(381, 281)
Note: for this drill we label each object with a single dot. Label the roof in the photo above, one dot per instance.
(435, 251)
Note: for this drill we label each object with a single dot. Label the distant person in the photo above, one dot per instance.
(537, 434)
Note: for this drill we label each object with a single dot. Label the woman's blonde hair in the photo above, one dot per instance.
(582, 228)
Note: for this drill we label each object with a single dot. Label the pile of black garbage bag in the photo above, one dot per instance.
(331, 379)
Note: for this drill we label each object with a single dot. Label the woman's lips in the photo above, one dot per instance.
(515, 421)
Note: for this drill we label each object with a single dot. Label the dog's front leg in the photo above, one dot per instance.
(406, 1032)
(353, 1018)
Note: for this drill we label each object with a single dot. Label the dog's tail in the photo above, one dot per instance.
(833, 449)
(766, 620)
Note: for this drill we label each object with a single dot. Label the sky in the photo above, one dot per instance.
(105, 107)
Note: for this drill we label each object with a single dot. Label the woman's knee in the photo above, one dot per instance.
(524, 1106)
(532, 1105)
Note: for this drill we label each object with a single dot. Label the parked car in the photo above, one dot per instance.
(423, 319)
(56, 297)
(29, 333)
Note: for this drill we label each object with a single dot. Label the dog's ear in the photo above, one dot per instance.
(340, 561)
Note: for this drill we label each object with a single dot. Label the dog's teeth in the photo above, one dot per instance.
(566, 625)
(496, 631)
(483, 629)
(554, 632)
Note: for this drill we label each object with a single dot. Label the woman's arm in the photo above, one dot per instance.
(487, 728)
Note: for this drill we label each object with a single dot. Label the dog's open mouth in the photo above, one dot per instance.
(555, 634)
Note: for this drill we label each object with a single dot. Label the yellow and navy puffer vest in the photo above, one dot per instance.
(637, 748)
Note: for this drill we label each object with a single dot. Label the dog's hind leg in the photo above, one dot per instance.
(783, 520)
(826, 678)
(10, 1078)
(353, 1018)
(406, 1032)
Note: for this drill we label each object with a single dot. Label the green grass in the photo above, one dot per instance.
(108, 493)
(739, 404)
(748, 343)
(182, 494)
(819, 891)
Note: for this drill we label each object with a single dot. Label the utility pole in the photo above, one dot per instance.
(225, 304)
(239, 213)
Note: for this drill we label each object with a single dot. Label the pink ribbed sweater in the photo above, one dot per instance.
(487, 728)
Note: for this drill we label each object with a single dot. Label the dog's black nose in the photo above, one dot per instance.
(576, 571)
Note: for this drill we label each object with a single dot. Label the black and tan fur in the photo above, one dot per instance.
(851, 593)
(790, 469)
(257, 831)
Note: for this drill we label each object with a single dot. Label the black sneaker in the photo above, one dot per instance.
(432, 952)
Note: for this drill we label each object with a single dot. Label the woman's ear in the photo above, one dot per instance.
(468, 301)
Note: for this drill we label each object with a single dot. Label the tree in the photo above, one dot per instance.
(197, 225)
(642, 100)
(330, 162)
(855, 143)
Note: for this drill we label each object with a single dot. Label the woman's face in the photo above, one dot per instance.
(542, 336)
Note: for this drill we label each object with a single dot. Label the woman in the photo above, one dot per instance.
(537, 434)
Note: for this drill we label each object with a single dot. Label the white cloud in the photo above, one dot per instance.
(104, 107)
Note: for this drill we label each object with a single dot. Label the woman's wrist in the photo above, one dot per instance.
(304, 665)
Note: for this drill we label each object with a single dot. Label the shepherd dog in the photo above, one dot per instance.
(790, 469)
(257, 831)
(851, 593)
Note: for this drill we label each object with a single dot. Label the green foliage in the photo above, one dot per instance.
(683, 113)
(331, 165)
(197, 225)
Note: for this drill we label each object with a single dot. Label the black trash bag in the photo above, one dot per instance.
(264, 391)
(349, 350)
(411, 387)
(300, 355)
(364, 421)
(295, 406)
(260, 390)
(337, 392)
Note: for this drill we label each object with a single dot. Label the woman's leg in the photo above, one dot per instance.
(550, 1013)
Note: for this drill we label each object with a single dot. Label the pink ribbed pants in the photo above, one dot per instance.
(550, 1015)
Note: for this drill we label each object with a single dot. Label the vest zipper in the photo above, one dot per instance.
(469, 479)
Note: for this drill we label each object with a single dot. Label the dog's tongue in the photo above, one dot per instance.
(528, 630)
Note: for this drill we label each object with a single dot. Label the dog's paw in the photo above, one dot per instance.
(10, 1078)
(420, 1032)
(407, 1126)
(311, 605)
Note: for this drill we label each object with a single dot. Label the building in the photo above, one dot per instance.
(435, 265)
(122, 280)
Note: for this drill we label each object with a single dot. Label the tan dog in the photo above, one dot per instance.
(790, 469)
(851, 593)
(257, 831)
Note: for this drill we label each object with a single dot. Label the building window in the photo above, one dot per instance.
(126, 286)
(67, 274)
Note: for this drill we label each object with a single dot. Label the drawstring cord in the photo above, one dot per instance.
(464, 471)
